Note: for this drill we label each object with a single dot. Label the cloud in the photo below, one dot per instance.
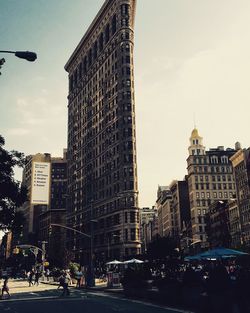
(18, 132)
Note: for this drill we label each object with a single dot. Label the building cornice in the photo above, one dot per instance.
(107, 4)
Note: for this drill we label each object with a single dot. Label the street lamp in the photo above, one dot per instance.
(27, 55)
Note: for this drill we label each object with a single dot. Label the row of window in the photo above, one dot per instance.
(218, 178)
(212, 169)
(202, 195)
(214, 186)
(98, 46)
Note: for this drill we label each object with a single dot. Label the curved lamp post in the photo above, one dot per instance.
(27, 55)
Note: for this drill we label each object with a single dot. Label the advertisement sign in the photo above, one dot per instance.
(40, 183)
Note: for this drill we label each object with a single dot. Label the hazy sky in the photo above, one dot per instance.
(191, 56)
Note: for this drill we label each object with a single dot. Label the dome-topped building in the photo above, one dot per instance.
(196, 145)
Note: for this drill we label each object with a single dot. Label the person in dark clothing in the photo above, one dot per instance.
(37, 276)
(31, 275)
(65, 285)
(219, 289)
(241, 290)
(5, 287)
(61, 282)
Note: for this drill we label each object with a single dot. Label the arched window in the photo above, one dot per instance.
(224, 159)
(214, 159)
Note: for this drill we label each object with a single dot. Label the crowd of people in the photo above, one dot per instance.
(223, 284)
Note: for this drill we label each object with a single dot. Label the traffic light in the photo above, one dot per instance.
(2, 61)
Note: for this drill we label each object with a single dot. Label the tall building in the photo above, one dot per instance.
(241, 167)
(32, 210)
(101, 137)
(38, 217)
(56, 213)
(234, 222)
(218, 225)
(163, 206)
(173, 210)
(210, 178)
(147, 217)
(180, 207)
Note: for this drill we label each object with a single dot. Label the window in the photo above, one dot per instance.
(197, 195)
(113, 24)
(132, 233)
(95, 50)
(107, 33)
(214, 159)
(132, 217)
(208, 194)
(224, 159)
(101, 42)
(220, 195)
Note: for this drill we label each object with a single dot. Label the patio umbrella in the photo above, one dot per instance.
(221, 252)
(114, 262)
(133, 261)
(216, 254)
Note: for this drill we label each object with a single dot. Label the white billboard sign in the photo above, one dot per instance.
(40, 183)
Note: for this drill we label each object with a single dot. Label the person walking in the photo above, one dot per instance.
(65, 285)
(61, 281)
(31, 274)
(78, 276)
(37, 276)
(5, 287)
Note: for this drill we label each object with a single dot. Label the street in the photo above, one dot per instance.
(46, 298)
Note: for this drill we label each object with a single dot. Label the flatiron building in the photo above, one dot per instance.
(102, 199)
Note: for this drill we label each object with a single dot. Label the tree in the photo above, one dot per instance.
(12, 193)
(161, 248)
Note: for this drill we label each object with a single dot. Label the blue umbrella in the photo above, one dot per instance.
(216, 253)
(221, 252)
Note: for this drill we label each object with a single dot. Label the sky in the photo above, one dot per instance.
(191, 62)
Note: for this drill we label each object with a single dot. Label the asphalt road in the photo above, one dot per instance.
(86, 304)
(46, 299)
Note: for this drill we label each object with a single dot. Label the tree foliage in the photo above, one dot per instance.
(12, 194)
(161, 248)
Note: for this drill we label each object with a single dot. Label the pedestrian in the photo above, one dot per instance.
(31, 274)
(78, 276)
(47, 273)
(61, 281)
(5, 287)
(65, 285)
(37, 276)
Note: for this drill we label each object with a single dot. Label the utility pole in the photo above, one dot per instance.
(43, 254)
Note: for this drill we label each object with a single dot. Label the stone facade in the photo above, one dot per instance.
(101, 137)
(210, 179)
(241, 167)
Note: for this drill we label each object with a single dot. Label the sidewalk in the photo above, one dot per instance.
(99, 286)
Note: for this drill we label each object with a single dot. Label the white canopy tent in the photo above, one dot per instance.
(114, 262)
(132, 261)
